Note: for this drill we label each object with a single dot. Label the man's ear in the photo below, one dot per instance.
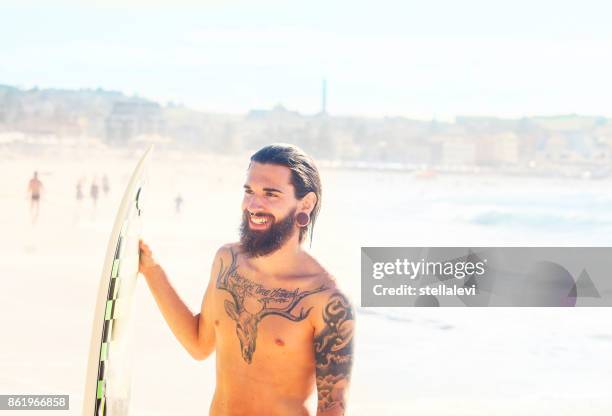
(308, 202)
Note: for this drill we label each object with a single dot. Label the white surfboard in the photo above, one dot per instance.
(108, 379)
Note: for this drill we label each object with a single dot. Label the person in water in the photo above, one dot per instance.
(276, 318)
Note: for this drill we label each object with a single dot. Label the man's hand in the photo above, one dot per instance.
(146, 262)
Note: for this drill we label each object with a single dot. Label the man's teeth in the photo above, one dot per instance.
(259, 220)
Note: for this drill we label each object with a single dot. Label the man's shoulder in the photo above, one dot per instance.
(331, 293)
(227, 251)
(325, 279)
(225, 257)
(332, 306)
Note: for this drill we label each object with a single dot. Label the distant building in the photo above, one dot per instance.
(427, 153)
(498, 149)
(557, 149)
(458, 151)
(278, 114)
(130, 119)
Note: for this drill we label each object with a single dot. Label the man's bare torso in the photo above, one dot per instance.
(264, 328)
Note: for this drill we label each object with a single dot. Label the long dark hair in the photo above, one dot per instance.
(304, 175)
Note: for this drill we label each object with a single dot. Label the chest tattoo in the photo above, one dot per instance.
(275, 301)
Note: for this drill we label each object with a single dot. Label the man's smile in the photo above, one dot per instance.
(259, 222)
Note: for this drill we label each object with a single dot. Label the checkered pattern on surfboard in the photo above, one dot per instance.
(109, 314)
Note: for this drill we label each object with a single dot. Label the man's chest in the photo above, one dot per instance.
(262, 320)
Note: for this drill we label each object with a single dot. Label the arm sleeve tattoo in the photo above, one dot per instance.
(333, 350)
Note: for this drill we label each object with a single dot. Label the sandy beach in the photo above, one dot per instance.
(457, 361)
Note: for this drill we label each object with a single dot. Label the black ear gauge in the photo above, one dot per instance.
(302, 219)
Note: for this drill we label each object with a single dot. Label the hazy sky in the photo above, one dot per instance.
(414, 58)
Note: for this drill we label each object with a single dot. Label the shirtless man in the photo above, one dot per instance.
(274, 315)
(35, 188)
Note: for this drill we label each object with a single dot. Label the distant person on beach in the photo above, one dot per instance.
(79, 191)
(94, 191)
(105, 185)
(35, 188)
(276, 318)
(79, 198)
(178, 201)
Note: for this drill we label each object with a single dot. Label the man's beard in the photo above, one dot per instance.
(257, 243)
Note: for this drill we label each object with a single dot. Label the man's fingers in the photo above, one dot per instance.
(144, 248)
(144, 252)
(145, 257)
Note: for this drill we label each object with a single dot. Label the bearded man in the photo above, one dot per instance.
(275, 317)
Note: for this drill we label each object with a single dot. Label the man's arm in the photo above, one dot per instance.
(206, 330)
(194, 332)
(333, 350)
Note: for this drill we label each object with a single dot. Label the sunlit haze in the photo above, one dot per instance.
(436, 59)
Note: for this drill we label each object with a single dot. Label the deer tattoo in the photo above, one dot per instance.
(239, 288)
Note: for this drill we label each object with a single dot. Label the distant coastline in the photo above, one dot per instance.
(554, 146)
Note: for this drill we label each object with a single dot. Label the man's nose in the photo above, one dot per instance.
(255, 204)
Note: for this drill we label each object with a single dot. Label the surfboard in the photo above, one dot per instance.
(108, 378)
